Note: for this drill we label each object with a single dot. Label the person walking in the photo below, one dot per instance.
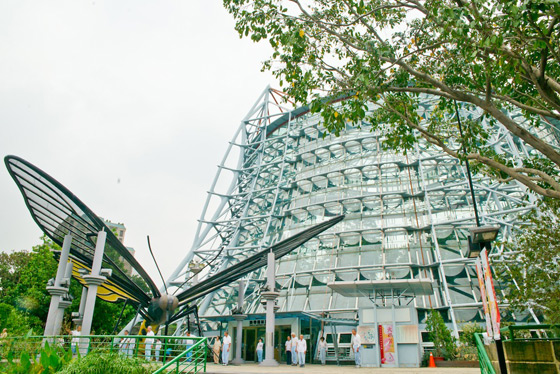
(294, 354)
(190, 343)
(123, 344)
(260, 350)
(148, 342)
(322, 350)
(356, 345)
(301, 349)
(131, 345)
(75, 339)
(158, 348)
(288, 350)
(216, 349)
(225, 348)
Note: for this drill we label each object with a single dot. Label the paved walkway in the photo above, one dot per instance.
(327, 369)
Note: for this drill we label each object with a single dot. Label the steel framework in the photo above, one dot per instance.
(407, 216)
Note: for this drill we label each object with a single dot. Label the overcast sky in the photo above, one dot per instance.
(129, 104)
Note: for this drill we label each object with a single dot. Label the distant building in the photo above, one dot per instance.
(120, 230)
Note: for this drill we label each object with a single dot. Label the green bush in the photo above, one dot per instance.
(50, 360)
(444, 343)
(108, 363)
(467, 336)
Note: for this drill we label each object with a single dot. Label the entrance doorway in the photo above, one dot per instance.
(251, 336)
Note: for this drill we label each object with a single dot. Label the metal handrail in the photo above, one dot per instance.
(483, 359)
(533, 326)
(192, 360)
(81, 345)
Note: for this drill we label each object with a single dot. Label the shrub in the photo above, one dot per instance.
(444, 343)
(101, 363)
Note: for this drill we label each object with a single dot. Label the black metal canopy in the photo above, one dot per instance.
(239, 270)
(58, 212)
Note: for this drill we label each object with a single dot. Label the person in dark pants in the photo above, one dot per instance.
(288, 350)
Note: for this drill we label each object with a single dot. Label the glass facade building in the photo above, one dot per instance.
(407, 215)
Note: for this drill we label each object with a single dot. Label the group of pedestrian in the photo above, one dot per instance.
(296, 350)
(222, 347)
(127, 345)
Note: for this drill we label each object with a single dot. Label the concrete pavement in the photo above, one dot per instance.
(330, 369)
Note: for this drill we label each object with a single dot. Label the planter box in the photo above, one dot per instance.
(457, 364)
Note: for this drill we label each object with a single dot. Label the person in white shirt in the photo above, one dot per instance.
(189, 343)
(148, 343)
(301, 349)
(322, 350)
(260, 350)
(158, 348)
(123, 344)
(75, 339)
(288, 350)
(294, 354)
(225, 348)
(356, 345)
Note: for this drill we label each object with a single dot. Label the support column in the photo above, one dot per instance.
(65, 300)
(270, 296)
(93, 281)
(56, 291)
(79, 316)
(239, 317)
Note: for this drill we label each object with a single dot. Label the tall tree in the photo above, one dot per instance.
(500, 57)
(24, 300)
(531, 271)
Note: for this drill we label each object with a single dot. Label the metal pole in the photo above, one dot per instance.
(467, 165)
(270, 297)
(120, 316)
(499, 345)
(239, 318)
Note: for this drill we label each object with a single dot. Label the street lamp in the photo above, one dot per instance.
(480, 238)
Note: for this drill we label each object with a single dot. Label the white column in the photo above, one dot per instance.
(78, 319)
(270, 297)
(65, 300)
(93, 281)
(56, 290)
(239, 317)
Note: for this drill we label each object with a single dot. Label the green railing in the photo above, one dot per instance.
(533, 332)
(483, 359)
(193, 360)
(164, 348)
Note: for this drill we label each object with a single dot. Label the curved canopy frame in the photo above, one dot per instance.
(58, 212)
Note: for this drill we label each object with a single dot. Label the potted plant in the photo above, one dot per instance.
(440, 335)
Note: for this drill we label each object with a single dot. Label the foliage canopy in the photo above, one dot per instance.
(500, 58)
(531, 270)
(24, 300)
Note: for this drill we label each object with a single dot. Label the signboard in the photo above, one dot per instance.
(492, 302)
(407, 334)
(387, 344)
(483, 296)
(367, 333)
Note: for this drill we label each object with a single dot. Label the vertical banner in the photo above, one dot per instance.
(492, 302)
(381, 351)
(387, 344)
(484, 297)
